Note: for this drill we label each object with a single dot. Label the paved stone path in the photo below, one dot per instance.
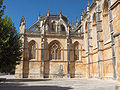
(58, 84)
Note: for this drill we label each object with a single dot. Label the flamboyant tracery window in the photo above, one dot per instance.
(32, 50)
(76, 51)
(55, 52)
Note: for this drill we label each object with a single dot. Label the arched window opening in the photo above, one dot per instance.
(62, 28)
(86, 37)
(32, 50)
(106, 30)
(94, 19)
(53, 26)
(94, 32)
(76, 51)
(86, 27)
(55, 51)
(105, 8)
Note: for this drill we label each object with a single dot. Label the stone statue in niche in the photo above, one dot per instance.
(60, 71)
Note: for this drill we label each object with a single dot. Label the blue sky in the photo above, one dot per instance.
(30, 9)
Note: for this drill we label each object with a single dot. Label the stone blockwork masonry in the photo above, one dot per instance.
(54, 48)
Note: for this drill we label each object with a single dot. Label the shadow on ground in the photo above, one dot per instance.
(26, 80)
(34, 88)
(50, 84)
(21, 86)
(18, 84)
(117, 88)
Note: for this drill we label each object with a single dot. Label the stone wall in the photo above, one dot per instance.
(96, 60)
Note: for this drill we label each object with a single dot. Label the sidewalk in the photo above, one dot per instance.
(7, 76)
(58, 84)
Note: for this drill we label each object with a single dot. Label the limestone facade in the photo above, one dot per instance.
(54, 48)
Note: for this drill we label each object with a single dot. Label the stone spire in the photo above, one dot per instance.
(72, 23)
(48, 12)
(88, 5)
(60, 13)
(39, 15)
(81, 14)
(77, 21)
(22, 21)
(67, 18)
(22, 25)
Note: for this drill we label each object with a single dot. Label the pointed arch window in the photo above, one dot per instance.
(55, 51)
(54, 26)
(76, 52)
(86, 39)
(62, 28)
(106, 30)
(32, 50)
(94, 32)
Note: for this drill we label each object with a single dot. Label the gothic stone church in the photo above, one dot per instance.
(54, 48)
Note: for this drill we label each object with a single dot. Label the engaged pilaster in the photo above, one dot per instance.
(99, 40)
(112, 38)
(42, 52)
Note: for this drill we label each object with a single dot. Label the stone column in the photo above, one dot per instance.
(26, 58)
(42, 56)
(19, 68)
(89, 46)
(112, 38)
(89, 61)
(42, 52)
(68, 56)
(68, 52)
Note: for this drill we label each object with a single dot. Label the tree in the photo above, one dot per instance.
(1, 8)
(10, 45)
